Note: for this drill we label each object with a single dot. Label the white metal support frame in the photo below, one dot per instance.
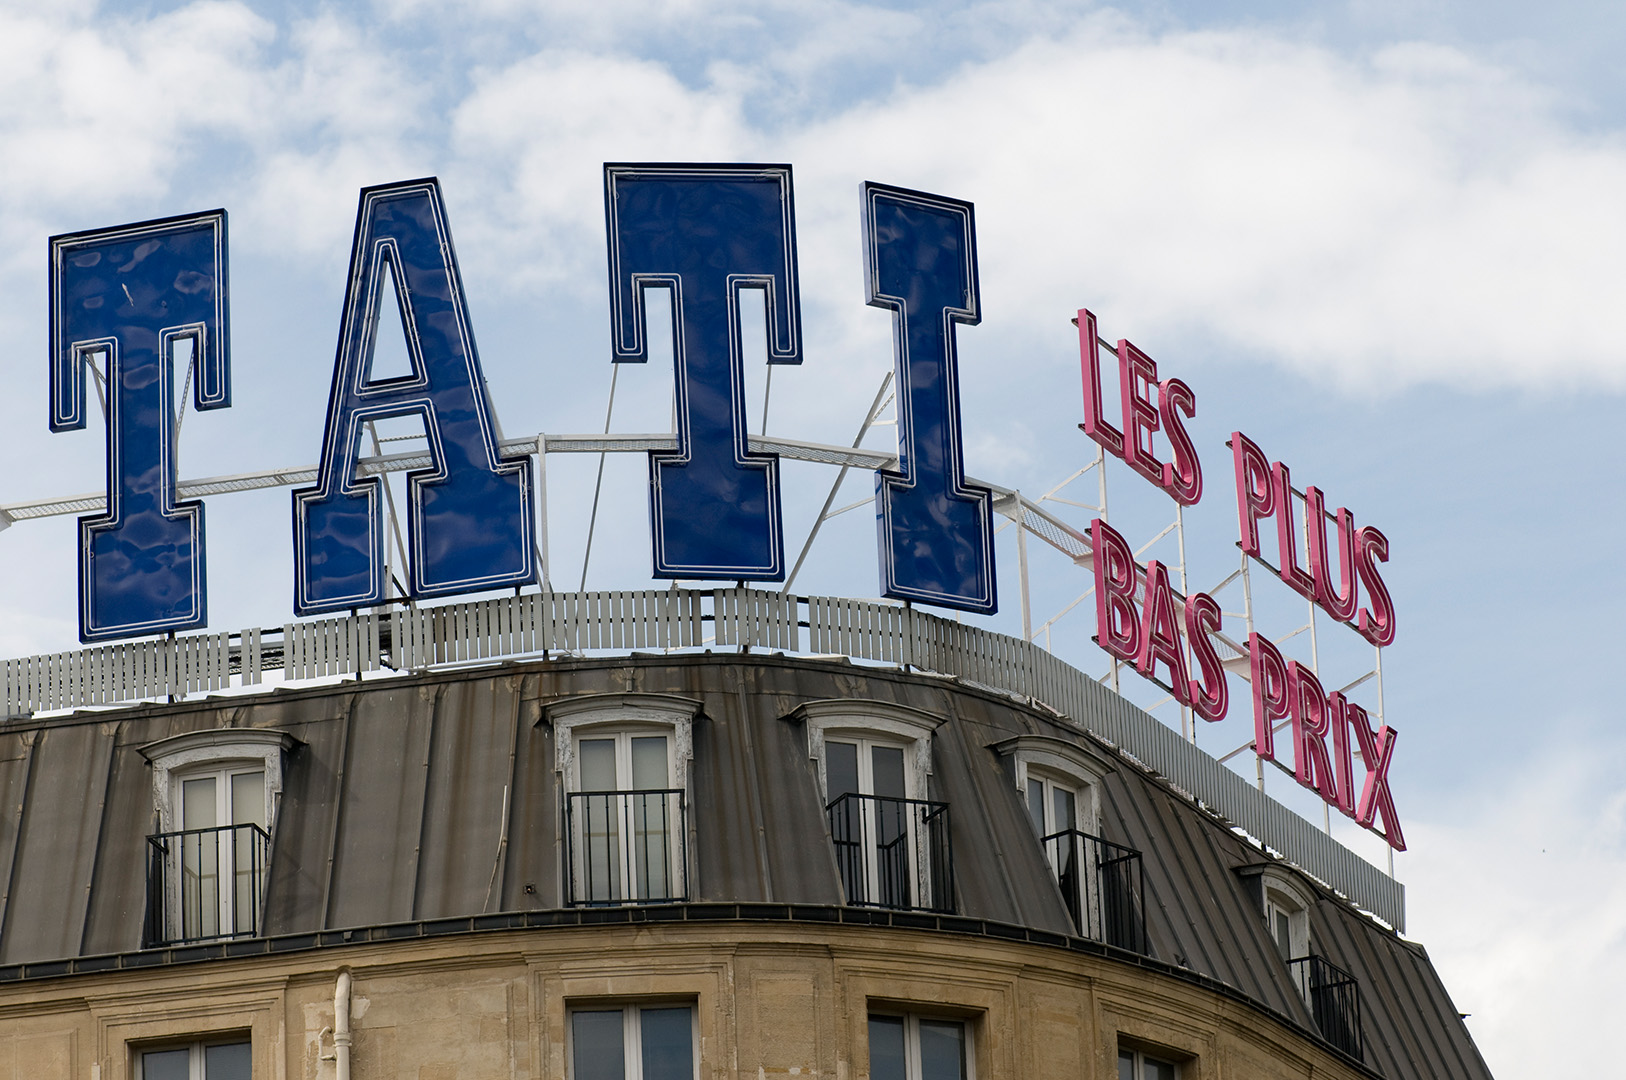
(414, 638)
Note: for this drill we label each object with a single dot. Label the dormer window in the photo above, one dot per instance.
(891, 842)
(216, 795)
(1059, 783)
(623, 763)
(1286, 903)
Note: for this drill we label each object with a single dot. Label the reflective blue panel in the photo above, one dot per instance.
(136, 296)
(706, 232)
(469, 517)
(936, 532)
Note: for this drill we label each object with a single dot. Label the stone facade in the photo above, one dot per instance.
(772, 1000)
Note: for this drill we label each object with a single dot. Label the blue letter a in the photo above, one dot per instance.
(132, 294)
(470, 522)
(936, 532)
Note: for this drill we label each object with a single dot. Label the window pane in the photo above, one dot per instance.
(198, 803)
(886, 1048)
(165, 1064)
(599, 821)
(597, 1051)
(1284, 933)
(649, 763)
(942, 1050)
(1066, 809)
(841, 768)
(199, 860)
(248, 798)
(1126, 1065)
(888, 774)
(1036, 806)
(1158, 1070)
(595, 758)
(668, 1046)
(231, 1062)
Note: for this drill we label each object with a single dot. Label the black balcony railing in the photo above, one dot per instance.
(893, 853)
(1335, 1001)
(1103, 884)
(626, 847)
(205, 883)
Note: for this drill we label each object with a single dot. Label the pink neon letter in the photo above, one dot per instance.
(1089, 361)
(1340, 605)
(1160, 634)
(1116, 628)
(1310, 725)
(1268, 673)
(1343, 762)
(1286, 542)
(1255, 495)
(1184, 475)
(1376, 623)
(1137, 374)
(1377, 750)
(1210, 698)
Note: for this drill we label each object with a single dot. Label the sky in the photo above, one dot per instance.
(1386, 240)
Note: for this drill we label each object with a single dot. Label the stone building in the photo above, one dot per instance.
(659, 865)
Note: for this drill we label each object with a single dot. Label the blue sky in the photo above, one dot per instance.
(1386, 240)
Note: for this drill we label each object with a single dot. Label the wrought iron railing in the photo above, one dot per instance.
(1103, 885)
(626, 847)
(893, 853)
(204, 884)
(1334, 998)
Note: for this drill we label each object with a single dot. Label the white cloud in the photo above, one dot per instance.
(532, 138)
(1521, 901)
(1417, 217)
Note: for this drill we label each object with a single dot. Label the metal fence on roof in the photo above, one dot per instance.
(416, 638)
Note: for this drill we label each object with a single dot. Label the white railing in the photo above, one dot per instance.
(416, 638)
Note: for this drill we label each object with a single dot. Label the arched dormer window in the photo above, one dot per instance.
(1285, 902)
(623, 765)
(1059, 783)
(216, 795)
(874, 762)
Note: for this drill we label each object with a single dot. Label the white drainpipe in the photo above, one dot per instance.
(341, 1024)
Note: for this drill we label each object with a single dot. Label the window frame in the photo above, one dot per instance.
(622, 717)
(195, 753)
(227, 853)
(220, 753)
(196, 1049)
(879, 722)
(872, 724)
(911, 1039)
(631, 1032)
(590, 714)
(1059, 761)
(1279, 891)
(1140, 1058)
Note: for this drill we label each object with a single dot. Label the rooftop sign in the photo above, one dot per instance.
(142, 298)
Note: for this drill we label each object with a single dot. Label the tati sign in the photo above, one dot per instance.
(141, 298)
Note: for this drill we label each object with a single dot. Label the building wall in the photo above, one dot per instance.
(772, 1001)
(436, 796)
